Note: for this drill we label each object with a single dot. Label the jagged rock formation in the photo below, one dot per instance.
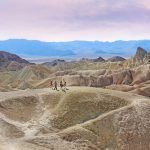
(141, 56)
(81, 119)
(147, 58)
(140, 53)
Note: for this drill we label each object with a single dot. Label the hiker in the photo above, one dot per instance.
(55, 85)
(61, 85)
(51, 84)
(65, 85)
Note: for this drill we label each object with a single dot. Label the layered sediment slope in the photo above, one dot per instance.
(131, 75)
(83, 118)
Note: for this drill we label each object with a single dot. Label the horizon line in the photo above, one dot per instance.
(107, 41)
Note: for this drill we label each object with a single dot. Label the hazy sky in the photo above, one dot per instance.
(65, 20)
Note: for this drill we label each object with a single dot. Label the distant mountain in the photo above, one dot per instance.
(54, 62)
(34, 48)
(116, 58)
(99, 59)
(73, 49)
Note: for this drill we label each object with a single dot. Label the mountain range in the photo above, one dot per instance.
(72, 49)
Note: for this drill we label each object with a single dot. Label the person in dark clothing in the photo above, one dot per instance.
(65, 85)
(51, 84)
(55, 86)
(61, 85)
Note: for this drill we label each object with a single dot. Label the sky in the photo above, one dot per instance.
(68, 20)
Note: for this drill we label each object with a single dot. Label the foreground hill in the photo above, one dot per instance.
(81, 119)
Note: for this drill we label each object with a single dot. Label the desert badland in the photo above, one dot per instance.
(74, 74)
(107, 106)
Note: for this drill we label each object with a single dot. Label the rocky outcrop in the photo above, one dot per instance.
(116, 58)
(147, 57)
(140, 53)
(141, 56)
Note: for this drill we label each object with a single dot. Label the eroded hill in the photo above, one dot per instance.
(11, 62)
(131, 75)
(81, 119)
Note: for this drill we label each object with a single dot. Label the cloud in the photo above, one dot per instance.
(69, 20)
